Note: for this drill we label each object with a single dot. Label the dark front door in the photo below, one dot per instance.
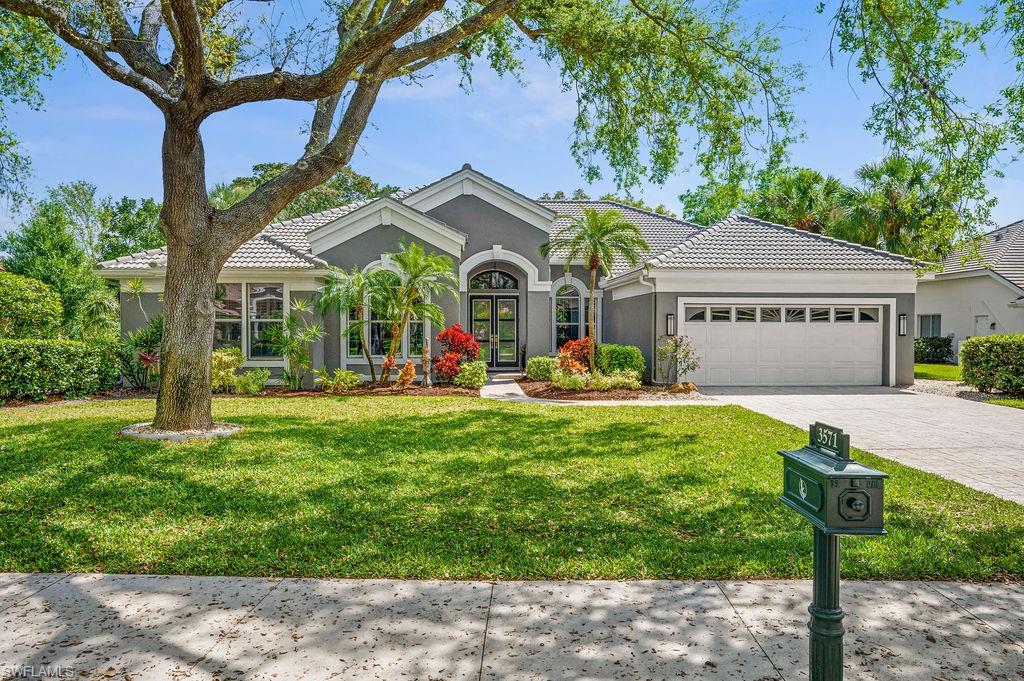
(495, 324)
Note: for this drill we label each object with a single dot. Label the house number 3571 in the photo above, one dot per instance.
(829, 438)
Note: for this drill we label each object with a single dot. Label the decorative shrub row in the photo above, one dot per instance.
(933, 350)
(34, 368)
(539, 368)
(471, 375)
(224, 376)
(29, 308)
(611, 358)
(567, 380)
(994, 363)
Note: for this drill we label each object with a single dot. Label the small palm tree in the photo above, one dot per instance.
(420, 276)
(345, 291)
(602, 239)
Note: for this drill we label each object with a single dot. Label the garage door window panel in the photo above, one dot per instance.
(721, 314)
(771, 314)
(844, 315)
(821, 315)
(746, 314)
(696, 314)
(868, 315)
(796, 314)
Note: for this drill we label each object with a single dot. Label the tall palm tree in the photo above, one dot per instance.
(349, 290)
(801, 198)
(602, 239)
(421, 276)
(889, 209)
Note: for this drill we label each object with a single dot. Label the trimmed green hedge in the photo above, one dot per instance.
(32, 368)
(471, 375)
(539, 368)
(29, 308)
(994, 363)
(611, 358)
(933, 350)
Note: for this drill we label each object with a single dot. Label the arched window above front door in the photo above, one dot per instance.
(493, 280)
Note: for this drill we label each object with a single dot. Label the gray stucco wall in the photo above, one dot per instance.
(628, 321)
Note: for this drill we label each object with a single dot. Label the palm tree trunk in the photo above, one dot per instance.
(590, 319)
(396, 343)
(362, 344)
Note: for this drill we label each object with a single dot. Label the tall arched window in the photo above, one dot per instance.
(493, 280)
(568, 317)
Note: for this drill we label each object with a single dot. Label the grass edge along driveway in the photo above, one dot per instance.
(458, 488)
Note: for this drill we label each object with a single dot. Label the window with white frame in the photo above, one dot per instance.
(569, 323)
(266, 311)
(227, 325)
(415, 337)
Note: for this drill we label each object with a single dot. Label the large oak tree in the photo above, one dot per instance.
(642, 72)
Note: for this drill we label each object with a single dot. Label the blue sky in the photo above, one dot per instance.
(94, 129)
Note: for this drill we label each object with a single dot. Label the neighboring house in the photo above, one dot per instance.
(972, 298)
(764, 304)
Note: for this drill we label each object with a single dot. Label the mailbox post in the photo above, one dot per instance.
(838, 496)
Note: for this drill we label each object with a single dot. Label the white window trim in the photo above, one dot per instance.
(286, 292)
(682, 303)
(584, 289)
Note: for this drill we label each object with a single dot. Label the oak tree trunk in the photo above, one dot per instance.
(194, 260)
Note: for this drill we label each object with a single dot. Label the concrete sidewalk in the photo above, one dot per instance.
(152, 627)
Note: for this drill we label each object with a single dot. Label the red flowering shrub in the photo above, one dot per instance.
(455, 340)
(447, 366)
(575, 350)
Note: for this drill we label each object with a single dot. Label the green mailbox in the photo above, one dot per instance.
(834, 492)
(838, 496)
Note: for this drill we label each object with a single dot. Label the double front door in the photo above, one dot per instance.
(495, 324)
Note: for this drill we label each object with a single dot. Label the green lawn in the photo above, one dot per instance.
(1015, 402)
(457, 488)
(938, 372)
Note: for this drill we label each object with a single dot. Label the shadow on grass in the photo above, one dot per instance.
(470, 491)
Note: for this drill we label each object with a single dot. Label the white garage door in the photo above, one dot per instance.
(785, 344)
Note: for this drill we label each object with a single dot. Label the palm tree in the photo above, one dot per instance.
(419, 276)
(602, 239)
(345, 291)
(889, 209)
(801, 198)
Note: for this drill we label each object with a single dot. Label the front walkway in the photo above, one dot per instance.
(978, 444)
(152, 627)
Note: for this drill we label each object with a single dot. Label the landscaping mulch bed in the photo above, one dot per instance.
(544, 390)
(378, 391)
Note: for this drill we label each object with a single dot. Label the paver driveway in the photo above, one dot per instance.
(980, 445)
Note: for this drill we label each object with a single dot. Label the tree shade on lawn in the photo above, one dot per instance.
(458, 488)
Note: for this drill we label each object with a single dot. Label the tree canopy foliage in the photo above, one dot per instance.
(344, 187)
(67, 232)
(28, 53)
(890, 207)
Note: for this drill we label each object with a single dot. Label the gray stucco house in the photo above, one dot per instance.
(764, 304)
(976, 297)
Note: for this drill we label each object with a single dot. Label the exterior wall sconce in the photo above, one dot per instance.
(903, 325)
(670, 324)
